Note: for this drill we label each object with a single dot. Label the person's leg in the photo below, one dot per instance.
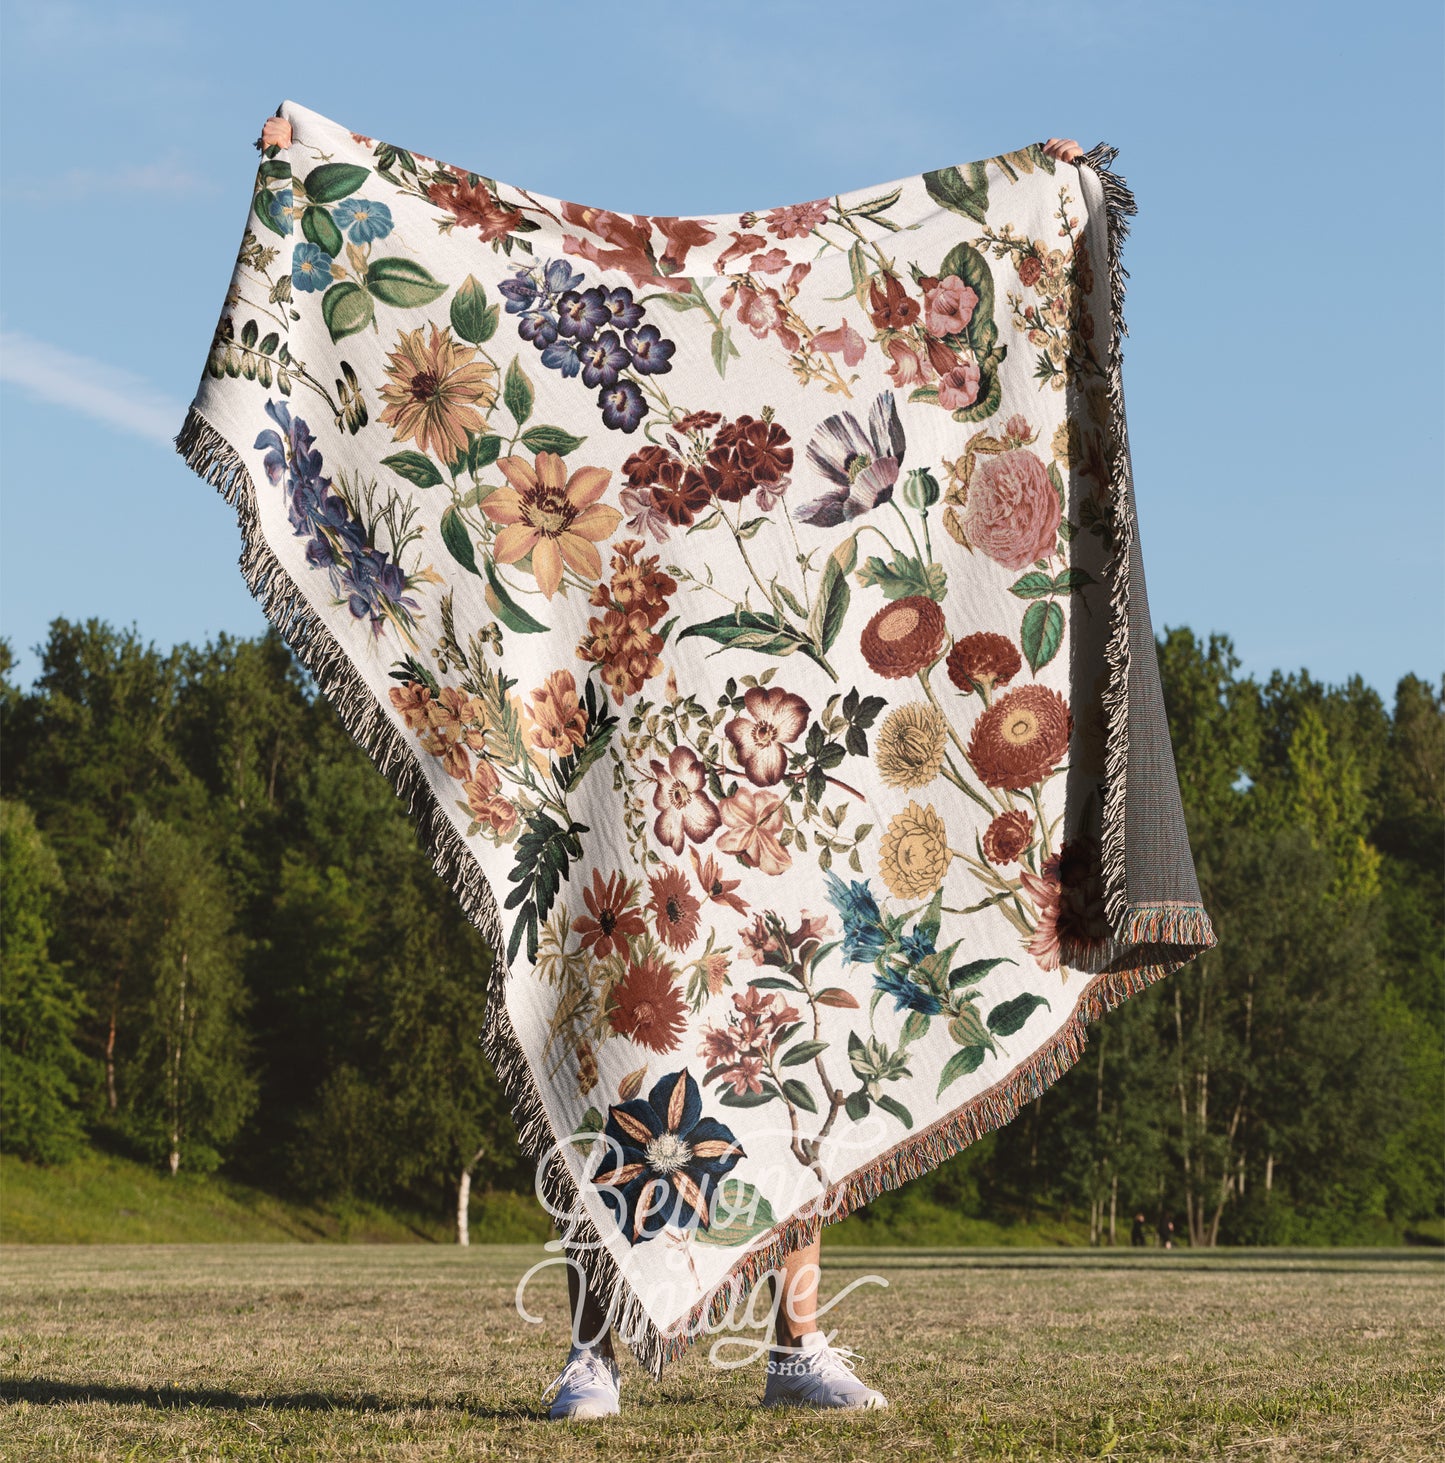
(803, 1369)
(590, 1382)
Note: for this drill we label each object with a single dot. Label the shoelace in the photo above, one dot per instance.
(588, 1361)
(837, 1359)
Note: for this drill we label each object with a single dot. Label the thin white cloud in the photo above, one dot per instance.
(92, 388)
(78, 185)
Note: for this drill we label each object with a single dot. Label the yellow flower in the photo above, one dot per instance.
(431, 394)
(915, 852)
(555, 518)
(910, 745)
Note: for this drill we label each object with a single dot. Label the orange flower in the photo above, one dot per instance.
(433, 391)
(555, 518)
(556, 721)
(649, 1007)
(674, 908)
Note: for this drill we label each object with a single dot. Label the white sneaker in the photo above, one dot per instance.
(590, 1385)
(814, 1374)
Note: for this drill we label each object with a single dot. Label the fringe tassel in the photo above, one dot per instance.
(1118, 206)
(210, 455)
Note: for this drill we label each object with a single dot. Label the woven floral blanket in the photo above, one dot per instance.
(750, 609)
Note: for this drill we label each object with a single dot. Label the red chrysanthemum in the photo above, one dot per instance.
(983, 660)
(903, 637)
(649, 1006)
(674, 908)
(1007, 836)
(1020, 739)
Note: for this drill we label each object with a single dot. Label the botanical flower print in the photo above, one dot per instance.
(638, 522)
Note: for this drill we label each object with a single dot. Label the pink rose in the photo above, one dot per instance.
(950, 306)
(1012, 512)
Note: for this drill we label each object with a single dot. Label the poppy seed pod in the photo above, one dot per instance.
(920, 488)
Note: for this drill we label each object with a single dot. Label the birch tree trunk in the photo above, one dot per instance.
(464, 1198)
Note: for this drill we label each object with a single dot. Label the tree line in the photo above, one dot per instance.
(224, 948)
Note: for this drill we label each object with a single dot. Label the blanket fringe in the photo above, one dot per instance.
(213, 457)
(1118, 206)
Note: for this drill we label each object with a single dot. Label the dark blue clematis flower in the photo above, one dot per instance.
(310, 267)
(651, 354)
(582, 314)
(603, 359)
(665, 1159)
(622, 405)
(365, 220)
(864, 938)
(863, 466)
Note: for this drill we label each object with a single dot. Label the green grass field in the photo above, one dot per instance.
(412, 1352)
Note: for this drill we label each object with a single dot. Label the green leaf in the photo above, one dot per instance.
(967, 1059)
(261, 207)
(517, 392)
(966, 1026)
(346, 308)
(458, 540)
(483, 449)
(747, 630)
(857, 1105)
(739, 1214)
(915, 1026)
(320, 228)
(903, 577)
(469, 310)
(722, 348)
(831, 604)
(504, 607)
(1073, 579)
(892, 1104)
(975, 970)
(1008, 1018)
(804, 1051)
(747, 1099)
(1042, 632)
(401, 283)
(551, 439)
(332, 182)
(797, 1093)
(415, 467)
(1032, 586)
(973, 269)
(964, 190)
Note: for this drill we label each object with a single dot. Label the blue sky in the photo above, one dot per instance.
(1283, 366)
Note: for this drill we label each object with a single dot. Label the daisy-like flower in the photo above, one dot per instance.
(684, 809)
(915, 852)
(551, 516)
(1021, 738)
(649, 1008)
(674, 908)
(774, 718)
(904, 637)
(754, 820)
(611, 921)
(434, 390)
(910, 745)
(982, 661)
(1007, 836)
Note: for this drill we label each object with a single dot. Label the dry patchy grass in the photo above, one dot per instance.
(410, 1353)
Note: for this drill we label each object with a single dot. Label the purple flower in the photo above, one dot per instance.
(582, 315)
(651, 354)
(603, 359)
(622, 405)
(864, 466)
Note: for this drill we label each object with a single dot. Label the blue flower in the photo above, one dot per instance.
(282, 202)
(582, 314)
(367, 221)
(560, 276)
(864, 938)
(519, 291)
(625, 311)
(907, 994)
(310, 267)
(665, 1159)
(537, 326)
(603, 359)
(562, 355)
(651, 354)
(622, 405)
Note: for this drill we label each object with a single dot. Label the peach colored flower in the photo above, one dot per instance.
(556, 722)
(915, 852)
(754, 820)
(434, 390)
(950, 306)
(551, 516)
